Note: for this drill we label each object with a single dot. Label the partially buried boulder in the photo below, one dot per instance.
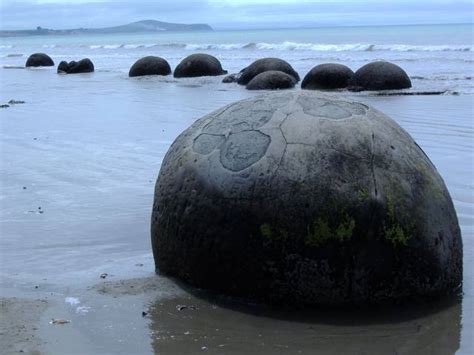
(327, 77)
(82, 66)
(39, 60)
(271, 80)
(299, 198)
(379, 75)
(199, 64)
(150, 66)
(231, 78)
(266, 64)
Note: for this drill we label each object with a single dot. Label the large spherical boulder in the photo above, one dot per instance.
(327, 77)
(380, 75)
(39, 60)
(82, 66)
(199, 64)
(304, 199)
(266, 64)
(150, 65)
(271, 80)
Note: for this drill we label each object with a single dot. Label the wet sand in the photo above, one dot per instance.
(153, 315)
(19, 322)
(76, 195)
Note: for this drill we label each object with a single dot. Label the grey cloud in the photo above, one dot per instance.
(24, 15)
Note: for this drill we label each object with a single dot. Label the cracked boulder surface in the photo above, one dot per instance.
(298, 198)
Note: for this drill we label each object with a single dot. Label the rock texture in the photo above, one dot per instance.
(327, 77)
(271, 80)
(199, 64)
(266, 64)
(379, 76)
(298, 198)
(150, 66)
(82, 66)
(39, 60)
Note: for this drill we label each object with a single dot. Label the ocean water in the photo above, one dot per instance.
(436, 57)
(79, 159)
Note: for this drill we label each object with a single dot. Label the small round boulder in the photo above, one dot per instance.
(263, 65)
(300, 198)
(199, 64)
(231, 78)
(73, 67)
(327, 77)
(150, 65)
(39, 60)
(380, 75)
(271, 80)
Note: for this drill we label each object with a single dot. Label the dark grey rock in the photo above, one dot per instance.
(39, 60)
(232, 78)
(82, 66)
(327, 76)
(266, 64)
(299, 198)
(199, 64)
(379, 76)
(271, 80)
(15, 102)
(150, 66)
(63, 67)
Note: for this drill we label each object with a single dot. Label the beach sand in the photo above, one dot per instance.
(181, 322)
(79, 163)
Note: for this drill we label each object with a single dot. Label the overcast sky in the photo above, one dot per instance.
(228, 14)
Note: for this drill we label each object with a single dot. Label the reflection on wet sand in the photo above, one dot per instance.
(190, 325)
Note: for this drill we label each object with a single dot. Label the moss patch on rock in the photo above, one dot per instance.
(322, 230)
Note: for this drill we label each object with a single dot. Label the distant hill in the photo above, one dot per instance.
(140, 26)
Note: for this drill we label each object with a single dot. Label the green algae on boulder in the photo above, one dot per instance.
(301, 198)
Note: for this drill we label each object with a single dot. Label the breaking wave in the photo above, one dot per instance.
(296, 46)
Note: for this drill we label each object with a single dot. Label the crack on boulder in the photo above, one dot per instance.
(372, 164)
(284, 150)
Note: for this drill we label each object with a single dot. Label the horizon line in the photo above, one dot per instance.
(257, 28)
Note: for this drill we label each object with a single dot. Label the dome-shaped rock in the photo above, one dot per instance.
(199, 64)
(82, 66)
(266, 64)
(271, 80)
(304, 199)
(231, 78)
(39, 60)
(380, 75)
(327, 76)
(150, 65)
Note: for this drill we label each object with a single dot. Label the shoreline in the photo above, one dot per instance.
(128, 315)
